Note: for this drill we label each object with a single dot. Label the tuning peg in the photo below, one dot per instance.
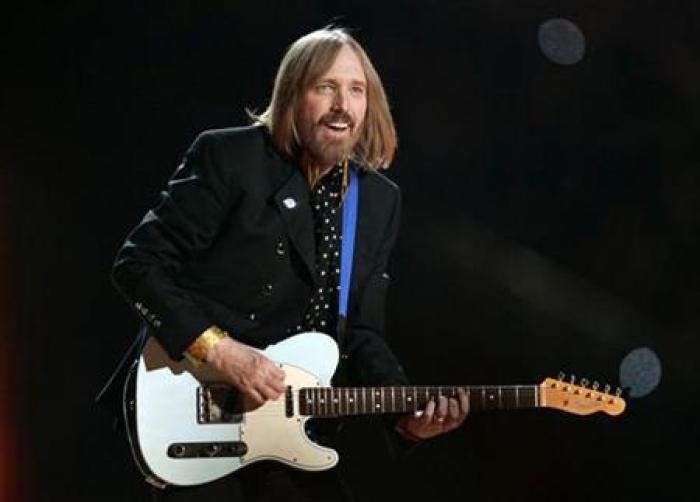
(595, 385)
(572, 379)
(561, 375)
(606, 389)
(618, 392)
(584, 382)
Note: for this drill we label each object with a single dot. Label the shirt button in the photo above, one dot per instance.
(267, 290)
(280, 249)
(251, 316)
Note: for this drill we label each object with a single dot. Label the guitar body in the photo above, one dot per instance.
(178, 437)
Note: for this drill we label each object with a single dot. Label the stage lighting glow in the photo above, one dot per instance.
(561, 41)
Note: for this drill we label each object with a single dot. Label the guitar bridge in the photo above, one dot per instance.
(218, 404)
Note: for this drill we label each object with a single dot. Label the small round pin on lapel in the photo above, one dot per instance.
(289, 203)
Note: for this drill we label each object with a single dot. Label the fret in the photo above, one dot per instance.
(537, 396)
(354, 391)
(517, 396)
(500, 397)
(372, 393)
(403, 399)
(331, 395)
(393, 399)
(483, 398)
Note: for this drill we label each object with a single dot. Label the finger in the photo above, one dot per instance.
(268, 392)
(428, 412)
(252, 399)
(277, 372)
(276, 384)
(463, 402)
(453, 408)
(442, 408)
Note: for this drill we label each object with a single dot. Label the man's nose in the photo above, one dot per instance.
(340, 100)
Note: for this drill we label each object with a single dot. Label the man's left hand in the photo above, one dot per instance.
(437, 418)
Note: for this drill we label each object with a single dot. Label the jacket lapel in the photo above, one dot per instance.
(292, 200)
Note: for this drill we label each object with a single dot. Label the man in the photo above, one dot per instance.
(244, 249)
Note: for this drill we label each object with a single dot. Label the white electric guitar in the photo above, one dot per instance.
(186, 428)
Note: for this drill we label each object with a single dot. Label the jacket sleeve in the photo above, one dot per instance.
(370, 360)
(198, 197)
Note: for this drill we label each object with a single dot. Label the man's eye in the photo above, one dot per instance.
(358, 89)
(325, 87)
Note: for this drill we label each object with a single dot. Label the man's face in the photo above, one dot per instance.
(332, 110)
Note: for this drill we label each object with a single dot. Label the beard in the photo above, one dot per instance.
(322, 145)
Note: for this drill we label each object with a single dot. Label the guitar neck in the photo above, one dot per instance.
(345, 401)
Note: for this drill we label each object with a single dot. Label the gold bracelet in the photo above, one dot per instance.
(197, 351)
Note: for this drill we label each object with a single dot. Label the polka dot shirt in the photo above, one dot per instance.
(322, 312)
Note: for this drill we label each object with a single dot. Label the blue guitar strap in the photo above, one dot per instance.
(346, 253)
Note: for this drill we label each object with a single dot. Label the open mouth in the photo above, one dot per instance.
(337, 126)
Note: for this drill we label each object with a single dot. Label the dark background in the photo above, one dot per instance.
(551, 220)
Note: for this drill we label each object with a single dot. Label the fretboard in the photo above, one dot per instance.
(342, 401)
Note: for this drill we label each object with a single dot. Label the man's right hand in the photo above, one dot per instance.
(248, 370)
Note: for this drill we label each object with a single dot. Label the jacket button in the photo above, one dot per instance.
(280, 249)
(251, 316)
(267, 290)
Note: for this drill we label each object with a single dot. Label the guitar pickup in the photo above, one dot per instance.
(218, 404)
(217, 449)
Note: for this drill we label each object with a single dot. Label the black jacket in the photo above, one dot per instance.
(231, 243)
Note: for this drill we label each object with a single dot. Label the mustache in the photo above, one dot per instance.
(331, 117)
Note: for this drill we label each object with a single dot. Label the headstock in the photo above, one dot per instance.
(579, 399)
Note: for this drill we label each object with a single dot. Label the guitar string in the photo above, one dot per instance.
(344, 406)
(359, 404)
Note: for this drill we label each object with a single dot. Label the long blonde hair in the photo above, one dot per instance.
(305, 62)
